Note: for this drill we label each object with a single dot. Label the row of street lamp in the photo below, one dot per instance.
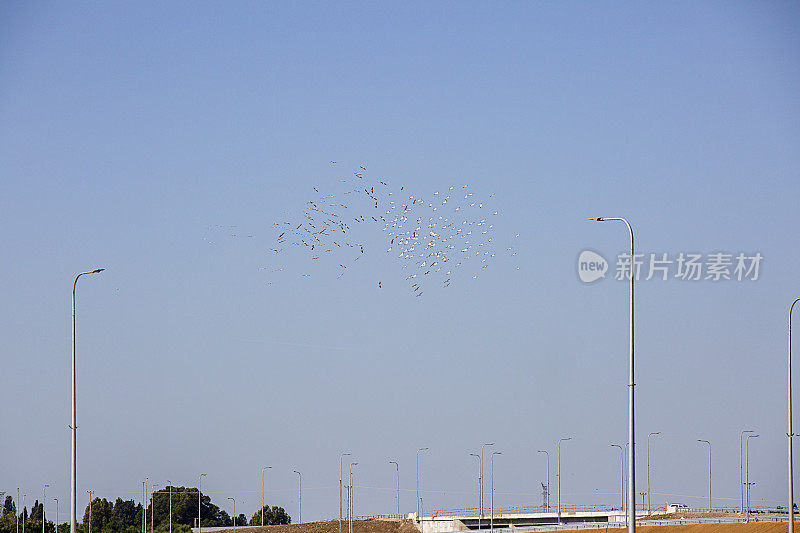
(745, 504)
(631, 514)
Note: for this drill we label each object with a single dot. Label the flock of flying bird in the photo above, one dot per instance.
(432, 238)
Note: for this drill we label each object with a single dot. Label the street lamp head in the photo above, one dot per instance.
(423, 449)
(597, 219)
(497, 453)
(96, 270)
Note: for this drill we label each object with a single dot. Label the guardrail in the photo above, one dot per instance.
(378, 517)
(605, 525)
(568, 508)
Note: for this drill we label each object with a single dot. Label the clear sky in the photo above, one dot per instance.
(139, 137)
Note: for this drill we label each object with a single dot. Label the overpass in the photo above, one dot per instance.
(446, 521)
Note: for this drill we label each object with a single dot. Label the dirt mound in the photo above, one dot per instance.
(332, 526)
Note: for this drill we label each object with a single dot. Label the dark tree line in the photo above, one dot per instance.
(125, 516)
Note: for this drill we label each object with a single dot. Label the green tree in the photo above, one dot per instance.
(184, 508)
(8, 521)
(125, 514)
(9, 507)
(101, 514)
(36, 512)
(272, 516)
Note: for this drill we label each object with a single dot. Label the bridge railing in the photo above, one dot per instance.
(527, 509)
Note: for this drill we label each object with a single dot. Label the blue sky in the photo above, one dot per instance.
(135, 134)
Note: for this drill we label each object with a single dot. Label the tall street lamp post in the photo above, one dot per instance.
(44, 520)
(558, 475)
(153, 507)
(631, 436)
(199, 499)
(648, 467)
(482, 447)
(56, 499)
(340, 490)
(547, 491)
(418, 507)
(350, 494)
(234, 512)
(478, 457)
(90, 510)
(262, 492)
(622, 473)
(789, 433)
(491, 485)
(170, 505)
(741, 480)
(709, 472)
(299, 496)
(397, 469)
(747, 468)
(73, 493)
